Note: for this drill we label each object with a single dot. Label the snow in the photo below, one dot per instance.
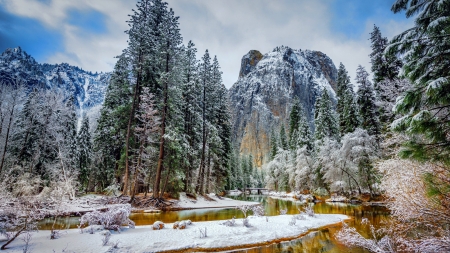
(201, 202)
(145, 239)
(292, 196)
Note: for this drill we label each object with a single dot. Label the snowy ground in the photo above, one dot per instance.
(144, 239)
(212, 202)
(292, 196)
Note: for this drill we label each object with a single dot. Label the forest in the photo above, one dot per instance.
(165, 128)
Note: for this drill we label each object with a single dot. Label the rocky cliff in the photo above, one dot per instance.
(88, 88)
(262, 97)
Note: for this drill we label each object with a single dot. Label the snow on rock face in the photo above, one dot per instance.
(87, 88)
(262, 97)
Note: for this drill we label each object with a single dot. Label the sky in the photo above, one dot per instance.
(89, 34)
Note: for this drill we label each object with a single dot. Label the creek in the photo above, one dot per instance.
(321, 240)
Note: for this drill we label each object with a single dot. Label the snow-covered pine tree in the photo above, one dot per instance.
(326, 120)
(366, 103)
(192, 114)
(425, 106)
(294, 119)
(283, 138)
(383, 66)
(304, 134)
(84, 154)
(24, 136)
(110, 134)
(343, 80)
(205, 84)
(349, 117)
(273, 145)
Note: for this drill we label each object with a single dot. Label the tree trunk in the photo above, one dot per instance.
(199, 188)
(13, 238)
(129, 126)
(156, 187)
(7, 135)
(208, 172)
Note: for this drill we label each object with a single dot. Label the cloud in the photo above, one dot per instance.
(88, 45)
(231, 28)
(228, 28)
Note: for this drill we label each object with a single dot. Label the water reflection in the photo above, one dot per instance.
(318, 241)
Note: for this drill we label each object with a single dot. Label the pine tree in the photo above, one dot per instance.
(424, 107)
(349, 117)
(191, 111)
(109, 135)
(366, 103)
(273, 145)
(343, 80)
(205, 76)
(84, 153)
(283, 139)
(294, 119)
(326, 121)
(383, 66)
(304, 136)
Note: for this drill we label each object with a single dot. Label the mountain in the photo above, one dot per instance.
(88, 88)
(262, 97)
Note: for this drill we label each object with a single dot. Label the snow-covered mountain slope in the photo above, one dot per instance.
(261, 98)
(87, 88)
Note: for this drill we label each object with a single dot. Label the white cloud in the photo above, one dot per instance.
(228, 28)
(94, 52)
(231, 28)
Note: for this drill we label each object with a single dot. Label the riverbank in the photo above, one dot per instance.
(261, 231)
(295, 196)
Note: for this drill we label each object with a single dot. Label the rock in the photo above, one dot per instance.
(88, 88)
(182, 225)
(262, 97)
(158, 225)
(175, 225)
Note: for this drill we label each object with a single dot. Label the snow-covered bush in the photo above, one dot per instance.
(20, 219)
(293, 221)
(229, 223)
(283, 211)
(27, 185)
(113, 190)
(106, 237)
(349, 236)
(310, 211)
(111, 219)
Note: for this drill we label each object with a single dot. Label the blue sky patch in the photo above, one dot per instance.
(90, 21)
(33, 37)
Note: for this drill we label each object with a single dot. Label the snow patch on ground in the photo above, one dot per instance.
(293, 196)
(144, 239)
(213, 202)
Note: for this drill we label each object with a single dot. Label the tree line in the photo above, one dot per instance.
(164, 125)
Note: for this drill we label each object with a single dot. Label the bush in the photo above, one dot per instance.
(112, 219)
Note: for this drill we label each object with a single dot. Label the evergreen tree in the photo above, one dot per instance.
(349, 117)
(283, 139)
(110, 134)
(366, 103)
(326, 120)
(191, 110)
(294, 119)
(426, 64)
(304, 136)
(84, 153)
(273, 145)
(383, 66)
(343, 81)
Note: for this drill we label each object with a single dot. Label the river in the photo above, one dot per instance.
(317, 241)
